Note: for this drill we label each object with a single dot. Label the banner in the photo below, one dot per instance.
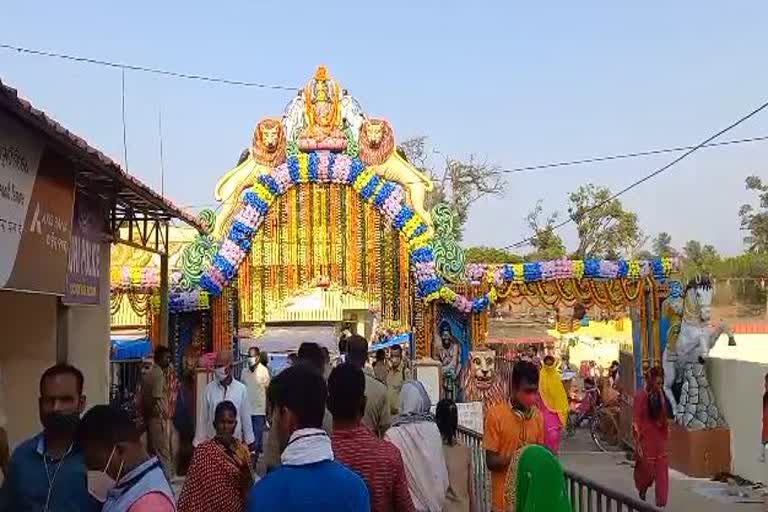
(85, 252)
(36, 198)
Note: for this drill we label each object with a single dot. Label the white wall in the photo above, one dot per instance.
(27, 348)
(737, 375)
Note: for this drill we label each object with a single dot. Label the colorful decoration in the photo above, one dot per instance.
(536, 271)
(123, 278)
(480, 381)
(268, 147)
(376, 141)
(184, 301)
(324, 167)
(322, 104)
(449, 257)
(198, 255)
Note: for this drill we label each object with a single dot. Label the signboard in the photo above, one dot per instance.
(85, 252)
(470, 415)
(428, 373)
(36, 198)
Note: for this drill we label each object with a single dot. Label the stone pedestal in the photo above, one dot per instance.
(700, 453)
(697, 406)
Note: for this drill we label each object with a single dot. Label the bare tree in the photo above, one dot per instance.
(459, 183)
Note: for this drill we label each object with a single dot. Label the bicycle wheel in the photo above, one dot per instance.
(605, 431)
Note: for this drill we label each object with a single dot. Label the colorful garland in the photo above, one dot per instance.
(323, 167)
(535, 271)
(389, 198)
(126, 277)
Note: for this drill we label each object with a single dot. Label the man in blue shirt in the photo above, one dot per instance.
(47, 472)
(308, 478)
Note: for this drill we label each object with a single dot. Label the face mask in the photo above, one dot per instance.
(221, 373)
(100, 483)
(527, 400)
(61, 422)
(252, 361)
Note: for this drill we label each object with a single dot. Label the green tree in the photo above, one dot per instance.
(756, 222)
(662, 245)
(700, 259)
(459, 183)
(546, 243)
(483, 254)
(604, 227)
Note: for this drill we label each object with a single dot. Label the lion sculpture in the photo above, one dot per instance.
(480, 380)
(376, 141)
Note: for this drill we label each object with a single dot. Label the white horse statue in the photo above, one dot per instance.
(693, 342)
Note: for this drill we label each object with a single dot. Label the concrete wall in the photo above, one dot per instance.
(88, 340)
(737, 375)
(28, 347)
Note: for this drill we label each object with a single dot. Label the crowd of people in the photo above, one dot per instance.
(354, 437)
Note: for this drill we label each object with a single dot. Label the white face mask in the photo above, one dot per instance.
(221, 373)
(252, 361)
(100, 483)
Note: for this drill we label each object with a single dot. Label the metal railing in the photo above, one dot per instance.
(124, 378)
(586, 495)
(481, 478)
(590, 496)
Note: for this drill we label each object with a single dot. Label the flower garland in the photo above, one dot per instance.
(126, 277)
(536, 271)
(322, 167)
(389, 198)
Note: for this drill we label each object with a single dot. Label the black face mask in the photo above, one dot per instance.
(61, 422)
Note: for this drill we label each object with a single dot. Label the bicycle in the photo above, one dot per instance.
(604, 429)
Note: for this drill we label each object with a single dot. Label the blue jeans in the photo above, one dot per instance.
(258, 430)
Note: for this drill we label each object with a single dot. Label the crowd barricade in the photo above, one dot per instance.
(586, 495)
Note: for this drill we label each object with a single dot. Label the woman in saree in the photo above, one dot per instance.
(416, 435)
(535, 482)
(220, 474)
(553, 403)
(651, 432)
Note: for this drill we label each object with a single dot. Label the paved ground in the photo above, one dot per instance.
(614, 471)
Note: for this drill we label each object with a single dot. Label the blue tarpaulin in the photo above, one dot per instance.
(392, 340)
(130, 347)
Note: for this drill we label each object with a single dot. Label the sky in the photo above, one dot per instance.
(516, 85)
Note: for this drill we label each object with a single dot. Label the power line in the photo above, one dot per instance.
(652, 152)
(653, 174)
(584, 161)
(536, 167)
(146, 69)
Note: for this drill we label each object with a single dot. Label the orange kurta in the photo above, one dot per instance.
(506, 431)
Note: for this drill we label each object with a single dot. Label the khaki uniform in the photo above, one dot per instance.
(154, 391)
(395, 379)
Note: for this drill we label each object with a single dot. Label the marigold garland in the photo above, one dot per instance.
(324, 167)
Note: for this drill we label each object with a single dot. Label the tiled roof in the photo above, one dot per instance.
(97, 167)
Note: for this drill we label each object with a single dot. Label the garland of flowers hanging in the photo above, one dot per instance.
(389, 198)
(323, 167)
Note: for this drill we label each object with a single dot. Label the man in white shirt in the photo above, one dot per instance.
(224, 387)
(256, 379)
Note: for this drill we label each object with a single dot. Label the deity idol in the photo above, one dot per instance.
(322, 101)
(449, 355)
